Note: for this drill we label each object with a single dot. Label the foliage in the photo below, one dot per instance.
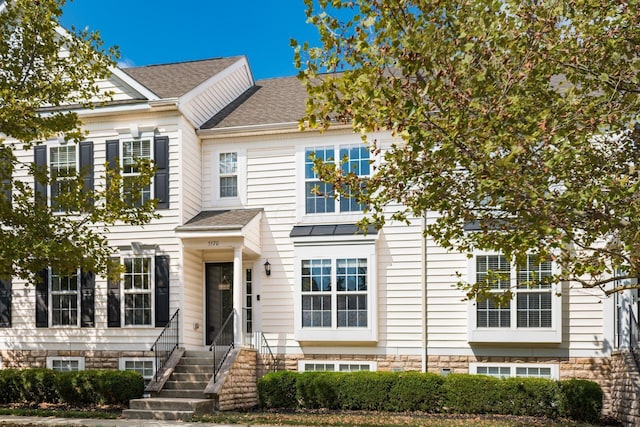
(91, 387)
(519, 118)
(582, 400)
(47, 75)
(278, 390)
(426, 392)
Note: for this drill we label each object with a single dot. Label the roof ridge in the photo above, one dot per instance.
(183, 62)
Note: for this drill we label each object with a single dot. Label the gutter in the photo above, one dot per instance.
(260, 129)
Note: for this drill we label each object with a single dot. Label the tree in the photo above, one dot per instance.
(517, 123)
(46, 73)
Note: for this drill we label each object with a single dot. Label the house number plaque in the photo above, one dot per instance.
(213, 243)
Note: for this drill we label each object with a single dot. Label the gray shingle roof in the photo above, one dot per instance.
(330, 230)
(270, 101)
(234, 219)
(176, 79)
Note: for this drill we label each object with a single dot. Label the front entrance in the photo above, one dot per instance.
(218, 296)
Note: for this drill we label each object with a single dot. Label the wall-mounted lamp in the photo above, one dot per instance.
(267, 268)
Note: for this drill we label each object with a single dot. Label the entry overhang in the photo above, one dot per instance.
(217, 229)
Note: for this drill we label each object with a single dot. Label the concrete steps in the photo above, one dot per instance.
(182, 395)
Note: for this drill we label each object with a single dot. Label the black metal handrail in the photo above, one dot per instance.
(264, 350)
(166, 343)
(223, 343)
(633, 330)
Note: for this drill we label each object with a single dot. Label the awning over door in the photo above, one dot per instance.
(218, 229)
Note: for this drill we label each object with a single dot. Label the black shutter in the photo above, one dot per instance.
(5, 303)
(7, 181)
(113, 300)
(40, 159)
(42, 300)
(86, 166)
(161, 179)
(87, 298)
(162, 290)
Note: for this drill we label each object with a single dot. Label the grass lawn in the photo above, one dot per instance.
(363, 419)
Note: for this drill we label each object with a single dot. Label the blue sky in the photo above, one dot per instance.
(162, 31)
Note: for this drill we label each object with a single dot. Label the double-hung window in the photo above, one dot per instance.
(319, 196)
(63, 169)
(132, 152)
(65, 299)
(137, 296)
(336, 293)
(533, 315)
(228, 174)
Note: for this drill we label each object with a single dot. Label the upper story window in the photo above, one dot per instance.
(137, 297)
(126, 154)
(65, 299)
(533, 315)
(319, 196)
(228, 174)
(63, 162)
(132, 152)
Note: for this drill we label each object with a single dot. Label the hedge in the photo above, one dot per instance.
(82, 387)
(414, 391)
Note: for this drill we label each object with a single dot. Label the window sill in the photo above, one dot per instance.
(351, 335)
(517, 336)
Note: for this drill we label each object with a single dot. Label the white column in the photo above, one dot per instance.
(237, 296)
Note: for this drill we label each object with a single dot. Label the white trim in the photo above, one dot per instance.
(79, 359)
(241, 174)
(144, 253)
(553, 367)
(123, 360)
(334, 333)
(239, 64)
(373, 366)
(513, 334)
(133, 83)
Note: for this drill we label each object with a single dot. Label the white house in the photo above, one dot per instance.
(234, 187)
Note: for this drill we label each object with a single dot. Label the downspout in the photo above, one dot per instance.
(425, 335)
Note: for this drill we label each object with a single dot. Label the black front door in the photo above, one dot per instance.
(219, 296)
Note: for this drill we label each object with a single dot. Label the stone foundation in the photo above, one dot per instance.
(93, 359)
(239, 389)
(625, 388)
(596, 369)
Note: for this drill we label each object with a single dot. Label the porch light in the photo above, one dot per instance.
(267, 268)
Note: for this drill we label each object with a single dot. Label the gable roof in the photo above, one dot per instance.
(176, 79)
(269, 101)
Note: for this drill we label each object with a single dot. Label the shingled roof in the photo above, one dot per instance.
(175, 79)
(270, 101)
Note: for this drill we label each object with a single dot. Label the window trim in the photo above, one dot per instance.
(79, 359)
(150, 254)
(78, 294)
(241, 174)
(122, 361)
(513, 334)
(301, 197)
(142, 137)
(364, 249)
(373, 366)
(50, 148)
(555, 368)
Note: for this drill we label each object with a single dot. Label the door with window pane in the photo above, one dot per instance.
(218, 297)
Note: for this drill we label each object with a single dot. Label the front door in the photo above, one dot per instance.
(218, 296)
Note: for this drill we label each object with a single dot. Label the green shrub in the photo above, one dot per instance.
(10, 385)
(581, 400)
(38, 386)
(118, 387)
(319, 389)
(278, 390)
(365, 390)
(471, 394)
(416, 391)
(537, 397)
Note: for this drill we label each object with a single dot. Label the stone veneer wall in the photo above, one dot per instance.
(240, 390)
(93, 359)
(596, 369)
(625, 388)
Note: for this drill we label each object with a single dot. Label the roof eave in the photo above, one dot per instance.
(261, 129)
